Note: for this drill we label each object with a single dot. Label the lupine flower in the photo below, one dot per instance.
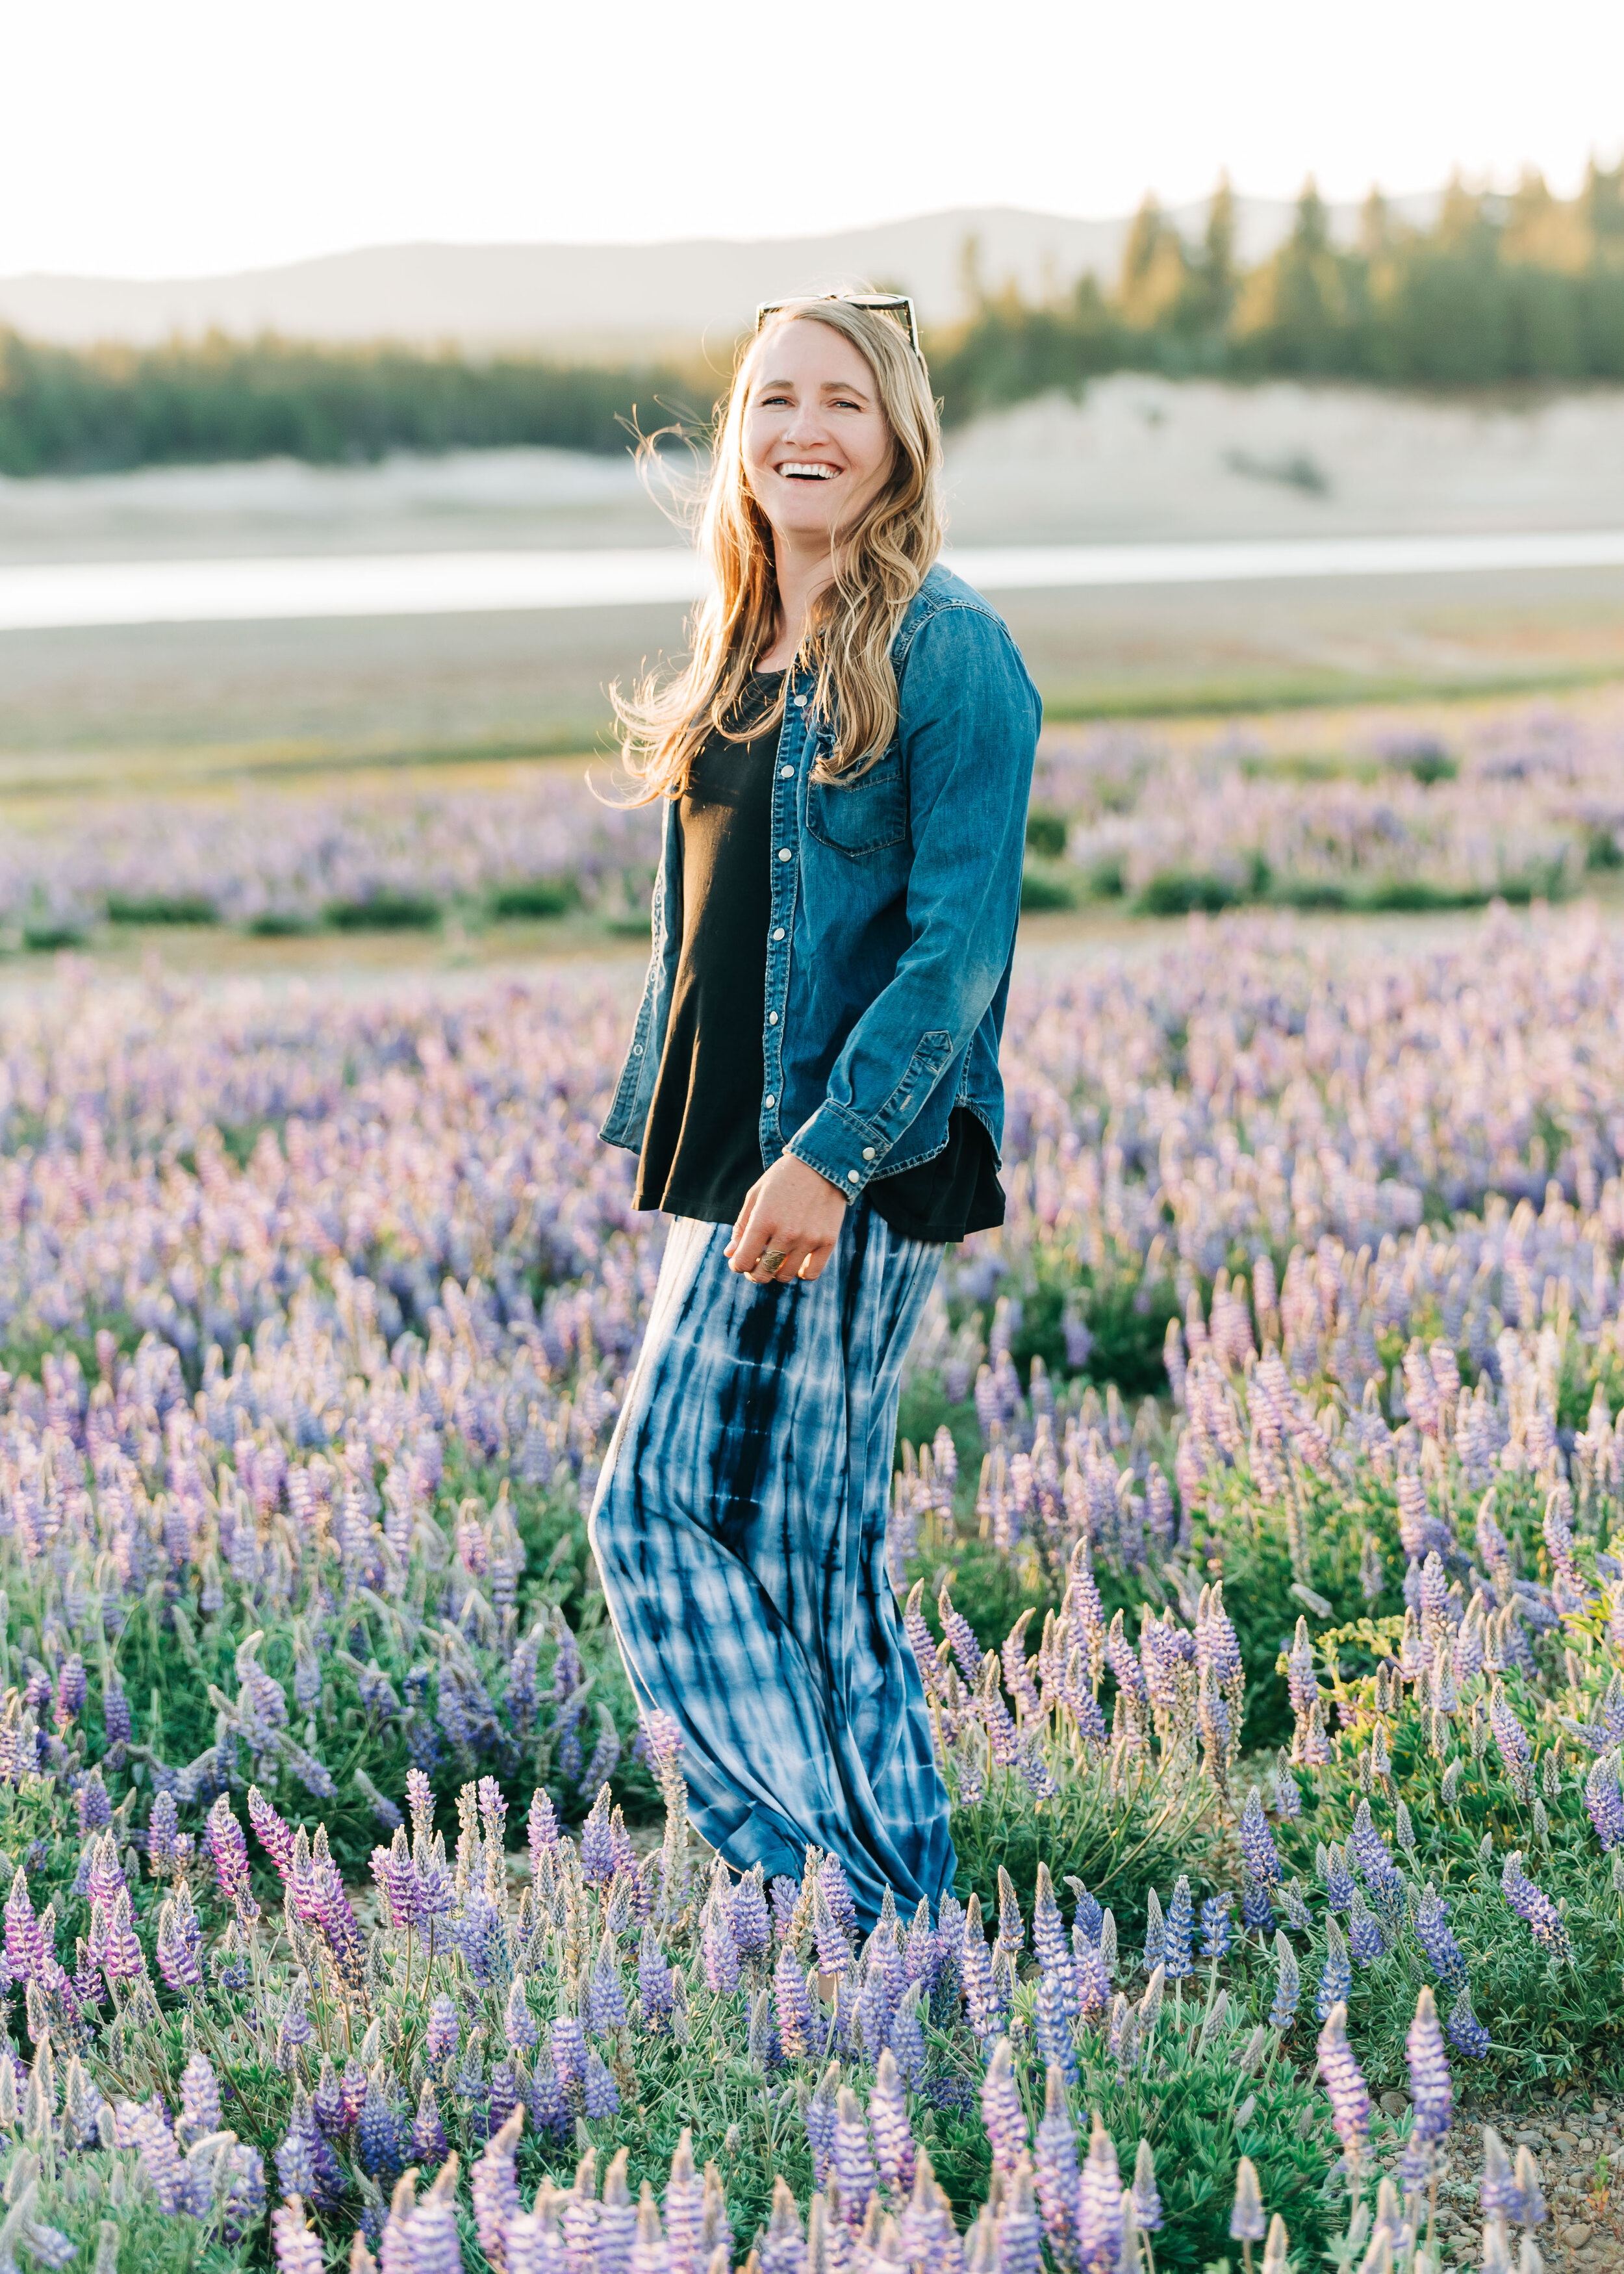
(1605, 1801)
(1433, 1934)
(1246, 2220)
(1001, 2109)
(1545, 1921)
(1055, 2169)
(1430, 2089)
(1176, 1945)
(1216, 1932)
(852, 2157)
(600, 2092)
(1099, 2206)
(1350, 2104)
(820, 2123)
(297, 2250)
(1467, 2033)
(1288, 1989)
(441, 2035)
(1147, 2198)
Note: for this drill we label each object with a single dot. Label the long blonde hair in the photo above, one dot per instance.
(880, 563)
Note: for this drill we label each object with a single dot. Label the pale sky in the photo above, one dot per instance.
(186, 136)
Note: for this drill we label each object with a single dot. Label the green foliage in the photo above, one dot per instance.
(67, 411)
(1528, 290)
(386, 911)
(160, 909)
(539, 896)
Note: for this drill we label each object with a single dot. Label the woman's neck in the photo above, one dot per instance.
(802, 574)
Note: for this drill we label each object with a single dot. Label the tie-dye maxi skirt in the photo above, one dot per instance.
(740, 1528)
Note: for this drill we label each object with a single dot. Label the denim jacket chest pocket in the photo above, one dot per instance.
(864, 815)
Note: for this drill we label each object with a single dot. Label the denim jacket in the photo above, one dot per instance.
(894, 904)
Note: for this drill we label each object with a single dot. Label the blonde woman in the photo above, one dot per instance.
(812, 1088)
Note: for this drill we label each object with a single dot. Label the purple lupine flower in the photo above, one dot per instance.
(1011, 1928)
(1431, 2090)
(1176, 1956)
(428, 2143)
(297, 2250)
(1339, 1888)
(1099, 2206)
(1257, 1911)
(605, 1994)
(161, 1828)
(1287, 1987)
(985, 2007)
(1467, 2033)
(1499, 2196)
(1091, 1974)
(786, 1894)
(352, 2093)
(542, 1828)
(180, 1943)
(1217, 1644)
(794, 2006)
(96, 1810)
(597, 1848)
(1216, 1930)
(1350, 2103)
(961, 1638)
(378, 2141)
(567, 2043)
(853, 2157)
(837, 1894)
(495, 2190)
(199, 2101)
(327, 2106)
(1436, 1937)
(1051, 2027)
(1262, 1859)
(600, 2092)
(116, 1717)
(420, 1806)
(752, 1927)
(398, 1880)
(908, 2039)
(820, 2118)
(518, 2023)
(1019, 2230)
(160, 2159)
(229, 1850)
(123, 1959)
(549, 2104)
(1155, 1932)
(1337, 1979)
(1545, 1921)
(70, 1691)
(1605, 1801)
(654, 1989)
(294, 2030)
(273, 1833)
(894, 2148)
(1057, 2172)
(1364, 1935)
(1001, 2109)
(718, 1949)
(834, 1951)
(1511, 1742)
(443, 2033)
(295, 2160)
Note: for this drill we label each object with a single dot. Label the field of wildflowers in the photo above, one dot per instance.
(1259, 1522)
(1358, 810)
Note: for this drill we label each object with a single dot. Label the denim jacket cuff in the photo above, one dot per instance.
(839, 1148)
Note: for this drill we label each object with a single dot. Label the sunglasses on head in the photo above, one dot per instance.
(888, 303)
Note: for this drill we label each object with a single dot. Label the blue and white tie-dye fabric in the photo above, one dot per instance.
(740, 1527)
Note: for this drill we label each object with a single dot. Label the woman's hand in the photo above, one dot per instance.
(791, 1212)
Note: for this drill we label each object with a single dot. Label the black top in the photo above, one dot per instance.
(701, 1145)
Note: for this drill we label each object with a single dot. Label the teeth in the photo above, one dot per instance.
(818, 473)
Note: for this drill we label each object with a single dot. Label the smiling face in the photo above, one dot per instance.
(816, 445)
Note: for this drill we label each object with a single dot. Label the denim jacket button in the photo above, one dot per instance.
(783, 852)
(778, 931)
(770, 1101)
(636, 1049)
(868, 1152)
(784, 772)
(851, 1176)
(772, 1017)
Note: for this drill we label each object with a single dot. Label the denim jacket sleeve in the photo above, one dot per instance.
(969, 727)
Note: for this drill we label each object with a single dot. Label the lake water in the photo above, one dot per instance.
(35, 596)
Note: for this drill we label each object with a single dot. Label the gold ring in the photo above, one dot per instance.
(771, 1260)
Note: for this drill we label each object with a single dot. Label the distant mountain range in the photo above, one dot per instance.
(606, 300)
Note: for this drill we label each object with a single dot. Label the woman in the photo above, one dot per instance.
(812, 1087)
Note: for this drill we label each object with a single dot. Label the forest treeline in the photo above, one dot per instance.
(1520, 289)
(1523, 289)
